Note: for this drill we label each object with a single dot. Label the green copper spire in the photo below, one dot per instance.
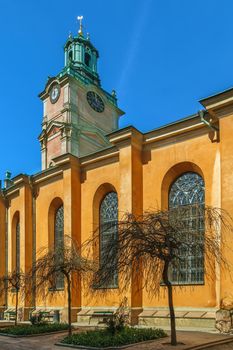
(81, 55)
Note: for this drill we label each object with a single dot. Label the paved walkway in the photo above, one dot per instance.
(222, 347)
(187, 340)
(31, 343)
(47, 342)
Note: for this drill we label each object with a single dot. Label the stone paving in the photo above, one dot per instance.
(47, 342)
(222, 347)
(31, 343)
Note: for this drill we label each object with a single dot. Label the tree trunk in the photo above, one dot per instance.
(16, 305)
(170, 303)
(69, 304)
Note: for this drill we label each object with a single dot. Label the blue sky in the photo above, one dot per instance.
(161, 56)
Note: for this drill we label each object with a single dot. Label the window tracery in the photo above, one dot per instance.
(59, 241)
(17, 230)
(108, 230)
(186, 200)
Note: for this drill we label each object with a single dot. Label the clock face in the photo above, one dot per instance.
(55, 93)
(95, 101)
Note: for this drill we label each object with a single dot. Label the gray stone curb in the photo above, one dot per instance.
(193, 347)
(210, 344)
(31, 335)
(108, 348)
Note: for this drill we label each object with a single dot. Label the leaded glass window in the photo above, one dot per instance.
(17, 246)
(59, 241)
(108, 231)
(187, 200)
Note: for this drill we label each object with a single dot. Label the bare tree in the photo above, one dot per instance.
(15, 282)
(62, 263)
(159, 243)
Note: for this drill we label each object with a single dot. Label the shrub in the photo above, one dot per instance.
(118, 321)
(104, 338)
(36, 319)
(34, 329)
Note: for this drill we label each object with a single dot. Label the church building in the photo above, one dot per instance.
(91, 170)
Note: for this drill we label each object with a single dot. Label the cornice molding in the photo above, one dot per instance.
(215, 104)
(61, 163)
(158, 137)
(17, 182)
(45, 177)
(65, 159)
(125, 137)
(99, 158)
(61, 81)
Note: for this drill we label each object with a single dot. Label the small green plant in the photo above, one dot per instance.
(36, 319)
(118, 321)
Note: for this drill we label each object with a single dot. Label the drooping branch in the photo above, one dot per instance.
(16, 282)
(63, 262)
(158, 243)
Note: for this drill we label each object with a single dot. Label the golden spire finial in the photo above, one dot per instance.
(80, 18)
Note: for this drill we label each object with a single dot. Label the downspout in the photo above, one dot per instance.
(206, 122)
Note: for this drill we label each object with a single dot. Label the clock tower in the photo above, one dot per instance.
(78, 112)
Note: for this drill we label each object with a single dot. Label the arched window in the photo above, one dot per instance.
(15, 241)
(59, 241)
(70, 56)
(186, 199)
(87, 59)
(59, 226)
(108, 230)
(17, 246)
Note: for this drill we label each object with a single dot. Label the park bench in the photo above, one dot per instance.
(102, 316)
(46, 315)
(9, 314)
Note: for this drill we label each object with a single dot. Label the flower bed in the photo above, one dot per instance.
(34, 329)
(104, 338)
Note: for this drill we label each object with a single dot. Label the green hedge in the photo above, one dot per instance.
(38, 329)
(103, 338)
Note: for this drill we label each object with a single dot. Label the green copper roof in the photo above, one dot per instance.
(82, 40)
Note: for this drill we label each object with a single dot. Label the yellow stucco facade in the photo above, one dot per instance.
(139, 167)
